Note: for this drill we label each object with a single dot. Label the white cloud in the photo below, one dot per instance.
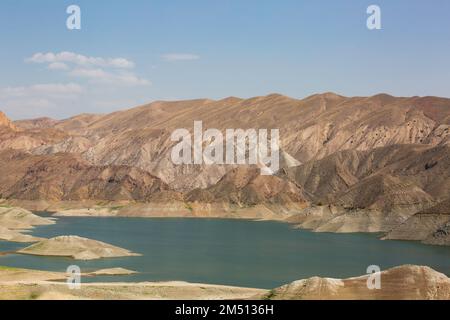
(98, 78)
(80, 60)
(112, 71)
(171, 57)
(58, 66)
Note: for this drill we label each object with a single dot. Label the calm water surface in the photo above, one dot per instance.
(230, 252)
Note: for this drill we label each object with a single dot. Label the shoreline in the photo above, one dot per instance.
(406, 282)
(35, 284)
(326, 218)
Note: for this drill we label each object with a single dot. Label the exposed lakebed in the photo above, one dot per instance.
(231, 252)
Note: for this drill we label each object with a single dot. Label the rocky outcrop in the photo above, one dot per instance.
(5, 122)
(431, 226)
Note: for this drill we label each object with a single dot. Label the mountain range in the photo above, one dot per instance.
(348, 164)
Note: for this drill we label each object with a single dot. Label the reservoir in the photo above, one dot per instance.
(229, 252)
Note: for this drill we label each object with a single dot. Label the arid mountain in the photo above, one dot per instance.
(245, 186)
(310, 129)
(39, 123)
(68, 177)
(371, 191)
(366, 164)
(382, 178)
(19, 138)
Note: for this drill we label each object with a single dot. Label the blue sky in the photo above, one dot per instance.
(175, 49)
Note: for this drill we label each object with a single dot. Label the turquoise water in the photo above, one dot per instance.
(230, 252)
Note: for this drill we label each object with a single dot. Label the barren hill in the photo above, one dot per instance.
(401, 283)
(75, 247)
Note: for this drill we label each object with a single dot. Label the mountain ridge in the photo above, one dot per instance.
(377, 160)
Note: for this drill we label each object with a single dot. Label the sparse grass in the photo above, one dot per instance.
(270, 295)
(34, 296)
(3, 268)
(189, 207)
(116, 208)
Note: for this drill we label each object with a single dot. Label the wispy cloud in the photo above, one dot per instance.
(58, 66)
(83, 81)
(171, 57)
(79, 59)
(98, 70)
(34, 100)
(105, 77)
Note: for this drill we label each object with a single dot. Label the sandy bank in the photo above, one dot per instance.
(401, 223)
(404, 283)
(16, 236)
(14, 221)
(77, 248)
(16, 275)
(45, 290)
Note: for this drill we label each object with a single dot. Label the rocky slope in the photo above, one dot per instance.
(245, 186)
(431, 226)
(371, 191)
(69, 177)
